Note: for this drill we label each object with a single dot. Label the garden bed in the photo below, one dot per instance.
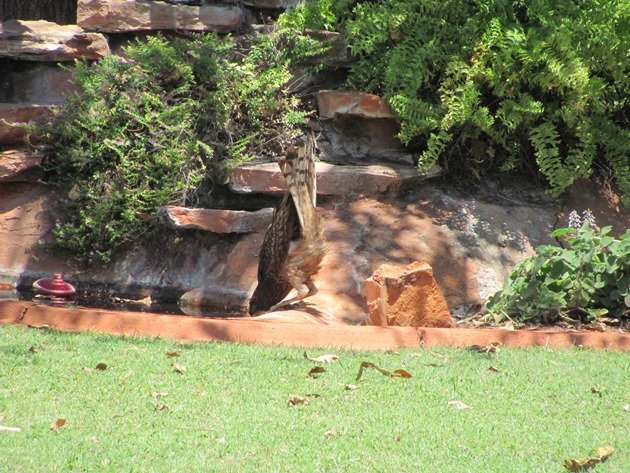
(256, 331)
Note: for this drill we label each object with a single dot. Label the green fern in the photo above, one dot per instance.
(547, 76)
(436, 144)
(546, 143)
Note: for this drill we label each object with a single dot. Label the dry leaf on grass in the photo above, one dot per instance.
(316, 371)
(6, 428)
(600, 455)
(295, 400)
(329, 358)
(331, 433)
(157, 405)
(401, 374)
(490, 349)
(351, 387)
(58, 424)
(395, 374)
(493, 369)
(181, 369)
(458, 405)
(172, 354)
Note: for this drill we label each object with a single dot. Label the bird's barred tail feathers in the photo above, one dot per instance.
(298, 168)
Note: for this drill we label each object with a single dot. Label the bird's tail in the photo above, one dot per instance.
(298, 168)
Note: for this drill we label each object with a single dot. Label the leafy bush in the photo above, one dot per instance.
(538, 83)
(147, 127)
(588, 279)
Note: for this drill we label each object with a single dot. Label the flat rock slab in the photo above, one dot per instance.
(334, 103)
(15, 164)
(117, 16)
(215, 220)
(36, 82)
(331, 179)
(251, 3)
(267, 3)
(14, 117)
(45, 41)
(253, 331)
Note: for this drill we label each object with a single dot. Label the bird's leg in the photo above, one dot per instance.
(303, 293)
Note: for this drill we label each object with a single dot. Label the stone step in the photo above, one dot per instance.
(20, 165)
(215, 220)
(46, 41)
(334, 104)
(331, 179)
(15, 116)
(359, 128)
(119, 16)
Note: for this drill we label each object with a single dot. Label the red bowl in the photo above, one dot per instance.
(54, 286)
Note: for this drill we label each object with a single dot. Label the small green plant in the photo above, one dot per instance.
(538, 84)
(147, 127)
(588, 279)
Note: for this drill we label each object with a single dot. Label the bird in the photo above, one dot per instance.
(294, 245)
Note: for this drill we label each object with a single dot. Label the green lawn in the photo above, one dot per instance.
(228, 411)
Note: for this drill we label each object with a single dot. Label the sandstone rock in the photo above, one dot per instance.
(270, 3)
(230, 280)
(115, 16)
(25, 221)
(16, 164)
(471, 244)
(601, 201)
(13, 117)
(331, 179)
(41, 83)
(46, 41)
(406, 296)
(333, 103)
(359, 128)
(215, 220)
(347, 140)
(338, 54)
(252, 3)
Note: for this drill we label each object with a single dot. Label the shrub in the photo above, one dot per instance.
(147, 127)
(588, 279)
(539, 83)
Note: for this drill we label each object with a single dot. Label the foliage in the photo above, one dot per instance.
(538, 83)
(146, 128)
(588, 279)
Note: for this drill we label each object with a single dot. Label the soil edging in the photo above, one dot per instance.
(253, 331)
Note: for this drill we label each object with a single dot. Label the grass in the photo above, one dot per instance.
(228, 411)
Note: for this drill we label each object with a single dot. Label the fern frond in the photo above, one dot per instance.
(435, 146)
